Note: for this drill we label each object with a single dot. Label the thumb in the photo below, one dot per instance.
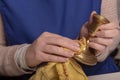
(91, 16)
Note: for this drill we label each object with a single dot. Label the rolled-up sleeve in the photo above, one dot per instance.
(109, 10)
(8, 65)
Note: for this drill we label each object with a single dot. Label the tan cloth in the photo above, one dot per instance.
(8, 65)
(70, 70)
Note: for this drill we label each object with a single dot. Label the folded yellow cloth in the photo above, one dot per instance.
(69, 70)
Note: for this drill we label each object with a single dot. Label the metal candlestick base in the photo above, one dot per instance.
(86, 54)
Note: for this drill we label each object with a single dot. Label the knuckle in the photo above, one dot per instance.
(45, 33)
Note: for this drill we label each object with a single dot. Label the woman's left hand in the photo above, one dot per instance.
(106, 39)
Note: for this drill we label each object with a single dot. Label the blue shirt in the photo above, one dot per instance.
(25, 20)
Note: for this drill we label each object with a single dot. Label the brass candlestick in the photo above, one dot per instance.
(86, 55)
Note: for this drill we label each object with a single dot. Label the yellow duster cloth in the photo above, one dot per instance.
(69, 70)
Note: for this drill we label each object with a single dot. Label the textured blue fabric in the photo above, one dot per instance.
(25, 20)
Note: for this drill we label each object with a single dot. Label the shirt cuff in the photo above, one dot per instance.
(20, 59)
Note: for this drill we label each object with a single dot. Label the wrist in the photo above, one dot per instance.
(20, 58)
(30, 57)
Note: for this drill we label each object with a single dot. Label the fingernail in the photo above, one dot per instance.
(76, 48)
(72, 54)
(76, 44)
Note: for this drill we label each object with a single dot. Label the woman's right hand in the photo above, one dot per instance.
(49, 47)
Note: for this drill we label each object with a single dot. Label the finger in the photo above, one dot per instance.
(108, 26)
(63, 42)
(51, 49)
(53, 58)
(107, 33)
(102, 41)
(98, 53)
(96, 46)
(58, 40)
(91, 17)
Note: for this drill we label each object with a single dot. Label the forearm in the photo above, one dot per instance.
(8, 60)
(109, 10)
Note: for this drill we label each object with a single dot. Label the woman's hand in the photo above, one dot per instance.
(106, 39)
(49, 47)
